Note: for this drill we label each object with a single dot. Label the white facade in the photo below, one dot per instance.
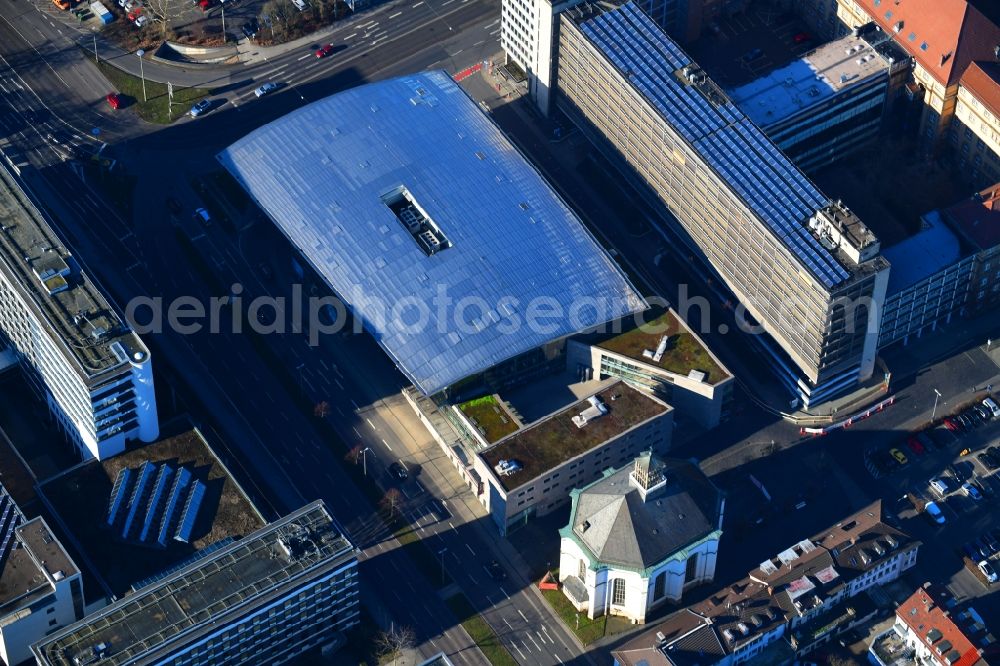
(639, 591)
(527, 37)
(95, 375)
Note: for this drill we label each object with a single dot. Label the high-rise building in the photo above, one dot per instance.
(77, 352)
(287, 588)
(40, 586)
(805, 268)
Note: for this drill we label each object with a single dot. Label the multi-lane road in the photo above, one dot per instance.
(53, 105)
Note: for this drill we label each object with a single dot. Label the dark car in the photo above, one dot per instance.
(994, 451)
(971, 551)
(497, 572)
(924, 438)
(802, 38)
(941, 437)
(398, 471)
(324, 51)
(250, 28)
(984, 548)
(752, 54)
(991, 542)
(989, 462)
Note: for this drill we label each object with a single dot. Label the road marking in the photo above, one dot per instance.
(504, 592)
(305, 56)
(392, 16)
(374, 42)
(523, 658)
(418, 4)
(370, 423)
(339, 385)
(456, 53)
(372, 25)
(355, 404)
(356, 431)
(534, 641)
(452, 526)
(480, 42)
(468, 546)
(521, 613)
(540, 637)
(387, 445)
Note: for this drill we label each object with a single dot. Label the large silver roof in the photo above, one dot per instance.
(327, 175)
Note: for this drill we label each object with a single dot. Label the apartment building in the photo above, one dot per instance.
(41, 589)
(931, 628)
(75, 349)
(804, 267)
(976, 221)
(830, 102)
(289, 587)
(974, 134)
(531, 471)
(808, 593)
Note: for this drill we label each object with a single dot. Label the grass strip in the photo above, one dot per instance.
(154, 108)
(588, 630)
(477, 628)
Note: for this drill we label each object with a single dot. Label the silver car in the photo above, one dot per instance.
(200, 108)
(264, 89)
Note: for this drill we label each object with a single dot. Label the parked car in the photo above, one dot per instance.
(264, 89)
(398, 471)
(971, 490)
(992, 543)
(984, 549)
(200, 108)
(935, 513)
(752, 54)
(497, 572)
(300, 5)
(324, 51)
(983, 412)
(952, 424)
(204, 4)
(898, 456)
(915, 445)
(114, 100)
(941, 436)
(988, 461)
(802, 38)
(940, 486)
(988, 571)
(202, 216)
(250, 28)
(970, 551)
(140, 21)
(990, 404)
(994, 451)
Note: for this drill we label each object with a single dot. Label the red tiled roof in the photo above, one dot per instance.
(922, 613)
(982, 79)
(955, 33)
(978, 218)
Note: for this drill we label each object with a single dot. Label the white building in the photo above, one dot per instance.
(77, 352)
(40, 587)
(640, 537)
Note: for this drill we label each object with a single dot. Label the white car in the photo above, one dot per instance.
(991, 405)
(300, 5)
(140, 21)
(939, 486)
(264, 89)
(988, 571)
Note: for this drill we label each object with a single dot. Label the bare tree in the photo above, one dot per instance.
(391, 501)
(164, 11)
(394, 642)
(321, 410)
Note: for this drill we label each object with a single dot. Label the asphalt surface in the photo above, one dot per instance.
(52, 104)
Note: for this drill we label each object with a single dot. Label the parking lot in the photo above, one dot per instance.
(741, 48)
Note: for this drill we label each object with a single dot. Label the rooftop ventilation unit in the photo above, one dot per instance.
(660, 349)
(596, 410)
(507, 467)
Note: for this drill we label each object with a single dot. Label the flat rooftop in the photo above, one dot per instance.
(812, 79)
(684, 351)
(931, 249)
(771, 187)
(403, 191)
(143, 627)
(84, 325)
(80, 500)
(553, 440)
(36, 562)
(978, 218)
(490, 416)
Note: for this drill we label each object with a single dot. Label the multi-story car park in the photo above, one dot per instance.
(804, 267)
(830, 102)
(77, 352)
(285, 589)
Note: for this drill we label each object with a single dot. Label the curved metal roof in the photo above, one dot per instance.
(327, 175)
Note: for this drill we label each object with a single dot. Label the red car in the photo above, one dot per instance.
(205, 4)
(915, 445)
(952, 425)
(114, 100)
(324, 51)
(802, 38)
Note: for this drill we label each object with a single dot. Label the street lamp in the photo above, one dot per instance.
(441, 553)
(937, 394)
(142, 75)
(364, 458)
(224, 38)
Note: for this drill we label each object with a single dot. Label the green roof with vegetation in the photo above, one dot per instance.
(555, 439)
(490, 417)
(684, 352)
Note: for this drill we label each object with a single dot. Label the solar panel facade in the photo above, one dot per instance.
(323, 174)
(738, 202)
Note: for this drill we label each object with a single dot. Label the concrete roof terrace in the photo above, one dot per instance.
(555, 439)
(84, 324)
